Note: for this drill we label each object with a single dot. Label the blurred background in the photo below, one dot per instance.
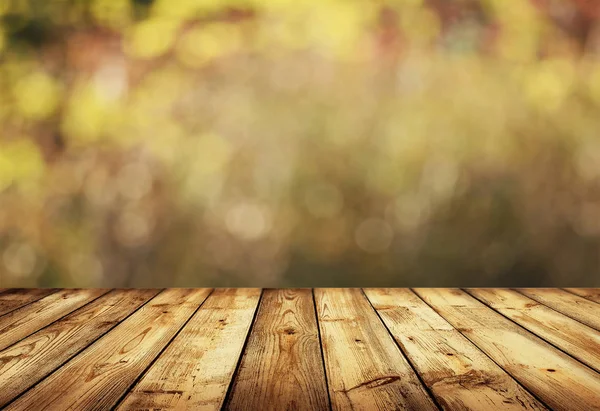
(299, 143)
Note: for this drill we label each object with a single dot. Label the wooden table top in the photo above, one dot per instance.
(247, 349)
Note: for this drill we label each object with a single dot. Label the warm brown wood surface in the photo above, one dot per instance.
(578, 308)
(574, 338)
(589, 293)
(99, 376)
(282, 368)
(456, 371)
(300, 349)
(365, 368)
(195, 370)
(14, 299)
(31, 359)
(556, 378)
(30, 318)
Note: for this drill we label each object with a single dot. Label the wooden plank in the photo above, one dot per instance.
(196, 369)
(459, 375)
(578, 308)
(102, 373)
(573, 337)
(365, 368)
(10, 300)
(592, 294)
(282, 366)
(554, 377)
(28, 361)
(26, 320)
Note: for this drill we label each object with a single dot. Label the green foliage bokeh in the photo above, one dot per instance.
(299, 143)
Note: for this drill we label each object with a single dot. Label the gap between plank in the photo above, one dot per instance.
(531, 332)
(484, 353)
(239, 360)
(554, 309)
(429, 392)
(58, 319)
(312, 290)
(30, 302)
(576, 295)
(83, 349)
(145, 371)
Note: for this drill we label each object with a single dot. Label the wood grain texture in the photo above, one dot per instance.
(282, 366)
(28, 361)
(573, 337)
(592, 294)
(365, 368)
(195, 371)
(98, 377)
(554, 377)
(12, 299)
(177, 349)
(457, 372)
(26, 320)
(578, 308)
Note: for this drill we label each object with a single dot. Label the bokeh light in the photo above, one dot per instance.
(299, 143)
